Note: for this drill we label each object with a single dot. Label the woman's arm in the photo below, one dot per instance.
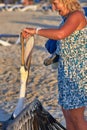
(72, 24)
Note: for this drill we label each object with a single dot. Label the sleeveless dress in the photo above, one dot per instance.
(72, 70)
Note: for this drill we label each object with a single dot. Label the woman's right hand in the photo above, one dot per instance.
(28, 32)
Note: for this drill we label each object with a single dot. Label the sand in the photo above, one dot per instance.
(42, 82)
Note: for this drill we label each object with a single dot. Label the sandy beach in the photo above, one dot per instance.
(42, 82)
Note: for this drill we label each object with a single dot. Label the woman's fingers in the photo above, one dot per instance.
(31, 31)
(27, 32)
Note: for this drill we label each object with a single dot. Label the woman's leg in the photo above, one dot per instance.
(77, 118)
(69, 124)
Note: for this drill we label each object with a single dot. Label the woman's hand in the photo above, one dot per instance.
(27, 32)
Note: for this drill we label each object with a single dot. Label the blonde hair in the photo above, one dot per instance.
(72, 5)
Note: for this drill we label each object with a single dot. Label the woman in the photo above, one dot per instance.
(72, 77)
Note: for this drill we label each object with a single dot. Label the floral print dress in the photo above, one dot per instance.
(72, 70)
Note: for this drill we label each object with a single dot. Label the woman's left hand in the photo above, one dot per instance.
(27, 32)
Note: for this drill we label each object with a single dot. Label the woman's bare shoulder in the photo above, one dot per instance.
(78, 18)
(77, 14)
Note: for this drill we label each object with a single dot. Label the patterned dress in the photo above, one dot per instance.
(72, 70)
